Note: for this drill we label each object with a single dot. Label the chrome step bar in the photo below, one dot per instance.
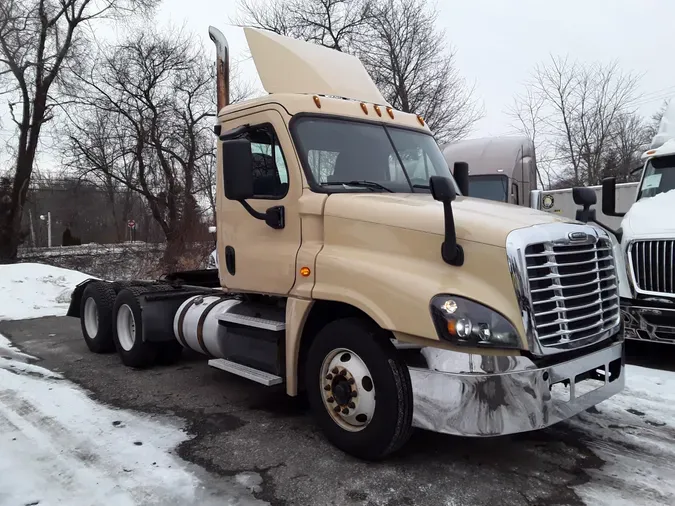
(262, 377)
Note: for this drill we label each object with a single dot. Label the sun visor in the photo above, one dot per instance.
(287, 65)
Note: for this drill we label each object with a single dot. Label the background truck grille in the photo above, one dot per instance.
(573, 290)
(652, 265)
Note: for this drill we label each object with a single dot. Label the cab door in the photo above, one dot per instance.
(252, 255)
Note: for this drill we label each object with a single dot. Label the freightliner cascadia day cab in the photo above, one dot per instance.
(352, 270)
(647, 238)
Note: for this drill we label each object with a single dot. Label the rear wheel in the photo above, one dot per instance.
(359, 389)
(96, 310)
(128, 330)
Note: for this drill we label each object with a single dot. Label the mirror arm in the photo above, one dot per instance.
(452, 256)
(616, 233)
(274, 216)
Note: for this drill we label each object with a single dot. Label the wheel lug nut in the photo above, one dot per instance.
(329, 377)
(336, 409)
(345, 411)
(352, 381)
(343, 373)
(330, 399)
(354, 393)
(327, 387)
(335, 370)
(351, 405)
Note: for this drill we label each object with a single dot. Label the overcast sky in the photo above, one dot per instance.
(498, 42)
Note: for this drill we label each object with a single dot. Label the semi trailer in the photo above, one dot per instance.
(352, 269)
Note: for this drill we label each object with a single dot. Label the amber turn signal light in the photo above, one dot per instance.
(304, 272)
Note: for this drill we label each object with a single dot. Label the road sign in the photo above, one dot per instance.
(131, 224)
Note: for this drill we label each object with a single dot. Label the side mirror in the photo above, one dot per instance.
(237, 169)
(238, 180)
(584, 197)
(443, 190)
(461, 173)
(609, 197)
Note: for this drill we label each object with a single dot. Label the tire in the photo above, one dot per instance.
(168, 352)
(96, 317)
(390, 424)
(128, 330)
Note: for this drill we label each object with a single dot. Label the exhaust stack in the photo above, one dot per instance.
(222, 67)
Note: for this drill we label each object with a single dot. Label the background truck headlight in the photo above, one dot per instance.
(465, 322)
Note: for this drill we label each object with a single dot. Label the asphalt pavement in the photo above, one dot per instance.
(239, 426)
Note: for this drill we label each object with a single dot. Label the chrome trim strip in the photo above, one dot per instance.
(640, 246)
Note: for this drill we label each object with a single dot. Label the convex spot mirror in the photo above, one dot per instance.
(237, 169)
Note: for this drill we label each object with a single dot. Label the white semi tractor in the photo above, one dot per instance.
(647, 238)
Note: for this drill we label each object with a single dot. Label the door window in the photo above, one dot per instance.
(270, 174)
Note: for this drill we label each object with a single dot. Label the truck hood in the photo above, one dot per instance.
(650, 218)
(476, 220)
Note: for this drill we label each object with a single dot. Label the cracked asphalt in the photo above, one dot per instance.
(239, 426)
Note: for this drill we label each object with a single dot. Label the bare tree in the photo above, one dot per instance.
(398, 42)
(37, 40)
(154, 94)
(337, 24)
(580, 110)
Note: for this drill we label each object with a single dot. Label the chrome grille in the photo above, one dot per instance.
(573, 290)
(652, 265)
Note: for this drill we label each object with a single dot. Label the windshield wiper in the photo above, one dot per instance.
(365, 184)
(422, 186)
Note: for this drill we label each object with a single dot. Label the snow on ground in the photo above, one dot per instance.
(634, 433)
(34, 290)
(60, 447)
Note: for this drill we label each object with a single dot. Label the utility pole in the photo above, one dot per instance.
(49, 227)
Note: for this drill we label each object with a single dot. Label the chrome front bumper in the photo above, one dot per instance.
(474, 395)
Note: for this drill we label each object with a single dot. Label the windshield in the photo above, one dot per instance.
(659, 177)
(336, 152)
(489, 187)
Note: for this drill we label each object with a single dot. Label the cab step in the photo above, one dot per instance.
(256, 316)
(262, 377)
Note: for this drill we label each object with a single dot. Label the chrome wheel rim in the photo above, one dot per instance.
(126, 327)
(347, 389)
(91, 317)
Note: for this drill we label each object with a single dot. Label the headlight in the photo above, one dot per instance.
(467, 323)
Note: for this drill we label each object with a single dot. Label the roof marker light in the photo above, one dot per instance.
(364, 107)
(377, 110)
(390, 111)
(317, 101)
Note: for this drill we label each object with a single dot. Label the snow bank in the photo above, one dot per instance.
(57, 446)
(35, 290)
(634, 433)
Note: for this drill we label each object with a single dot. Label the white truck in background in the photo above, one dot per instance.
(647, 238)
(561, 202)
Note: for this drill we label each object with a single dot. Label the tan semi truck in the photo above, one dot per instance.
(352, 270)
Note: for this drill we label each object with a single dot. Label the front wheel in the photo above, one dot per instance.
(359, 389)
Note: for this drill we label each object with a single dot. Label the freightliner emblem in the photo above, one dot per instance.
(577, 236)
